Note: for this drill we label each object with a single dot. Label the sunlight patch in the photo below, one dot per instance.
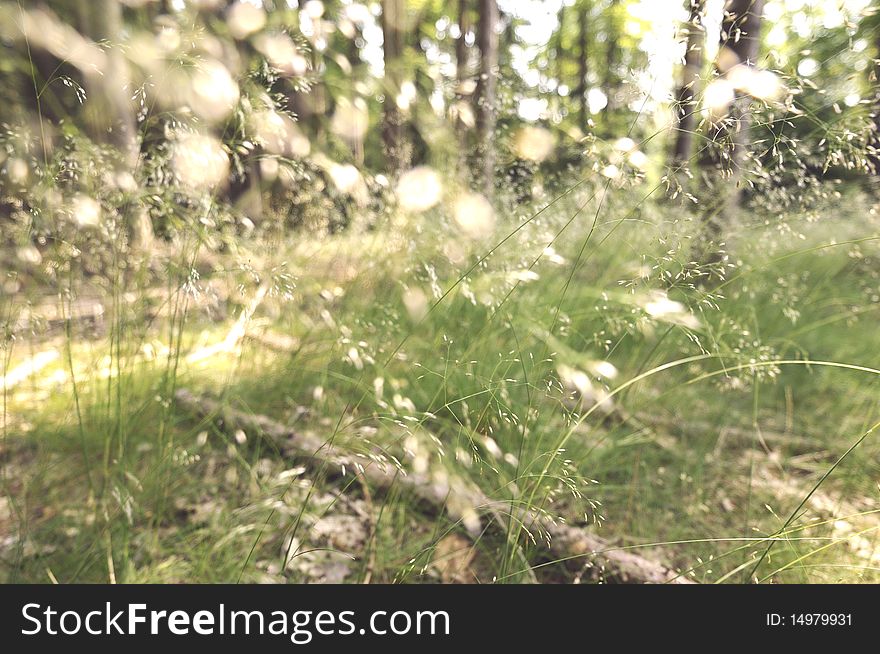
(86, 211)
(419, 189)
(282, 54)
(215, 93)
(350, 120)
(534, 143)
(659, 306)
(416, 303)
(200, 161)
(717, 98)
(474, 215)
(244, 19)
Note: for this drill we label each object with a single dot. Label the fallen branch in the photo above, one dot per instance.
(275, 341)
(566, 542)
(51, 315)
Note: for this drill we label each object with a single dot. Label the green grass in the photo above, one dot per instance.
(706, 446)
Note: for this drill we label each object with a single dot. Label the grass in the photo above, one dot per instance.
(709, 434)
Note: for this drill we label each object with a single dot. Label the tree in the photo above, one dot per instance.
(109, 104)
(875, 83)
(583, 64)
(461, 47)
(487, 101)
(612, 55)
(739, 46)
(685, 108)
(741, 30)
(557, 46)
(393, 16)
(462, 61)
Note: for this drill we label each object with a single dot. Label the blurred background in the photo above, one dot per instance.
(297, 113)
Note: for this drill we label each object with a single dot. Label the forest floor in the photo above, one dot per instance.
(581, 368)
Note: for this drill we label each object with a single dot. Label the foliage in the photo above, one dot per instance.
(676, 355)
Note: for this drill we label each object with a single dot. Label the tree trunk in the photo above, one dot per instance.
(685, 111)
(560, 51)
(487, 101)
(393, 15)
(109, 107)
(875, 85)
(461, 74)
(741, 29)
(583, 68)
(461, 48)
(300, 102)
(612, 57)
(740, 43)
(740, 35)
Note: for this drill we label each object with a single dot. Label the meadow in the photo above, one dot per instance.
(580, 365)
